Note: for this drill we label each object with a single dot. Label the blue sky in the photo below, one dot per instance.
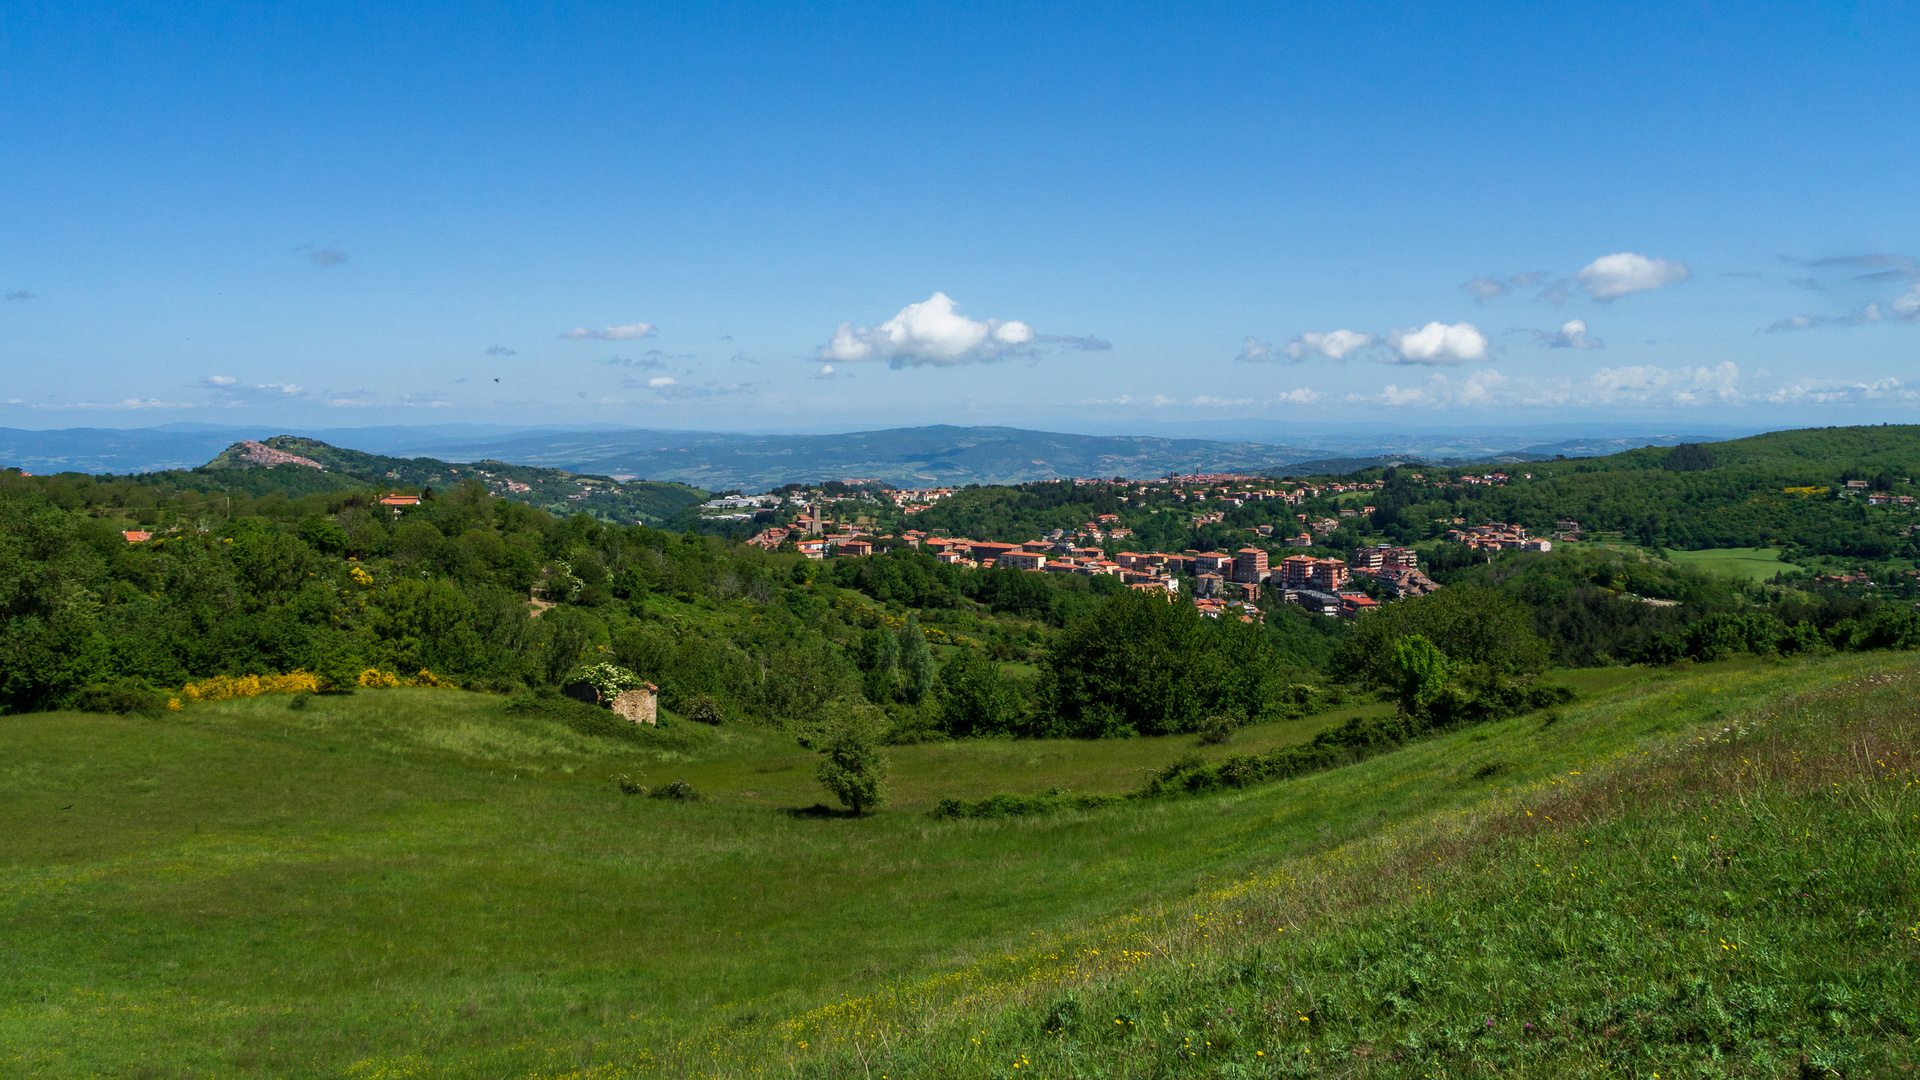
(783, 217)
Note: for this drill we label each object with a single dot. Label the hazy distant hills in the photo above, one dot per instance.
(185, 446)
(908, 457)
(950, 456)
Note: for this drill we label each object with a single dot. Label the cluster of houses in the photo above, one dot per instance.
(1499, 536)
(1224, 584)
(914, 501)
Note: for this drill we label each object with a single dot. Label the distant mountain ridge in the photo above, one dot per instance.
(938, 455)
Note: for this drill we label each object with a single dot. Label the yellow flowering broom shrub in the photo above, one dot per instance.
(222, 687)
(375, 679)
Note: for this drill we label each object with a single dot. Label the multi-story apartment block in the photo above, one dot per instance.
(1250, 566)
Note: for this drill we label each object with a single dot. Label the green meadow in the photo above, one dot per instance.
(423, 883)
(1759, 564)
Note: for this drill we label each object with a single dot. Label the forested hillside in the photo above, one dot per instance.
(291, 466)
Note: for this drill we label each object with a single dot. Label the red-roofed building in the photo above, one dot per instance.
(1353, 605)
(134, 536)
(1250, 566)
(985, 550)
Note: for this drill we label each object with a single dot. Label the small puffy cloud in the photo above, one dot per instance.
(1610, 277)
(1334, 344)
(500, 350)
(1438, 343)
(827, 371)
(1331, 345)
(219, 380)
(1571, 335)
(1297, 396)
(1255, 351)
(612, 333)
(20, 294)
(930, 332)
(662, 382)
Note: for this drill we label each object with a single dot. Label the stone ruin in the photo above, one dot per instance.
(640, 705)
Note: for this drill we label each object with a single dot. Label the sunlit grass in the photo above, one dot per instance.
(418, 882)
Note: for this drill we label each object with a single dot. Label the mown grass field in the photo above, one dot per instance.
(418, 883)
(1759, 564)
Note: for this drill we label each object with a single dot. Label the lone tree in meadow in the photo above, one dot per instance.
(855, 765)
(1419, 673)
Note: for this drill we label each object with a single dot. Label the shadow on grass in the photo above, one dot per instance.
(818, 810)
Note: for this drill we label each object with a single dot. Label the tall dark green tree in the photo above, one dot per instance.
(917, 669)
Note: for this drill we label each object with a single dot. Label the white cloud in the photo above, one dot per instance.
(662, 381)
(1298, 396)
(1830, 393)
(1571, 335)
(1334, 344)
(1610, 277)
(1641, 385)
(929, 332)
(612, 333)
(1905, 308)
(219, 380)
(1204, 399)
(1255, 351)
(1438, 343)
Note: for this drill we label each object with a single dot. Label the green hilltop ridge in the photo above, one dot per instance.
(296, 465)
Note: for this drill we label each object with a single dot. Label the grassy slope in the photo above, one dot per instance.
(367, 888)
(1760, 564)
(1740, 898)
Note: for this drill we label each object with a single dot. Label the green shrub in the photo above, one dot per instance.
(855, 766)
(704, 710)
(1218, 729)
(1053, 800)
(122, 696)
(679, 790)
